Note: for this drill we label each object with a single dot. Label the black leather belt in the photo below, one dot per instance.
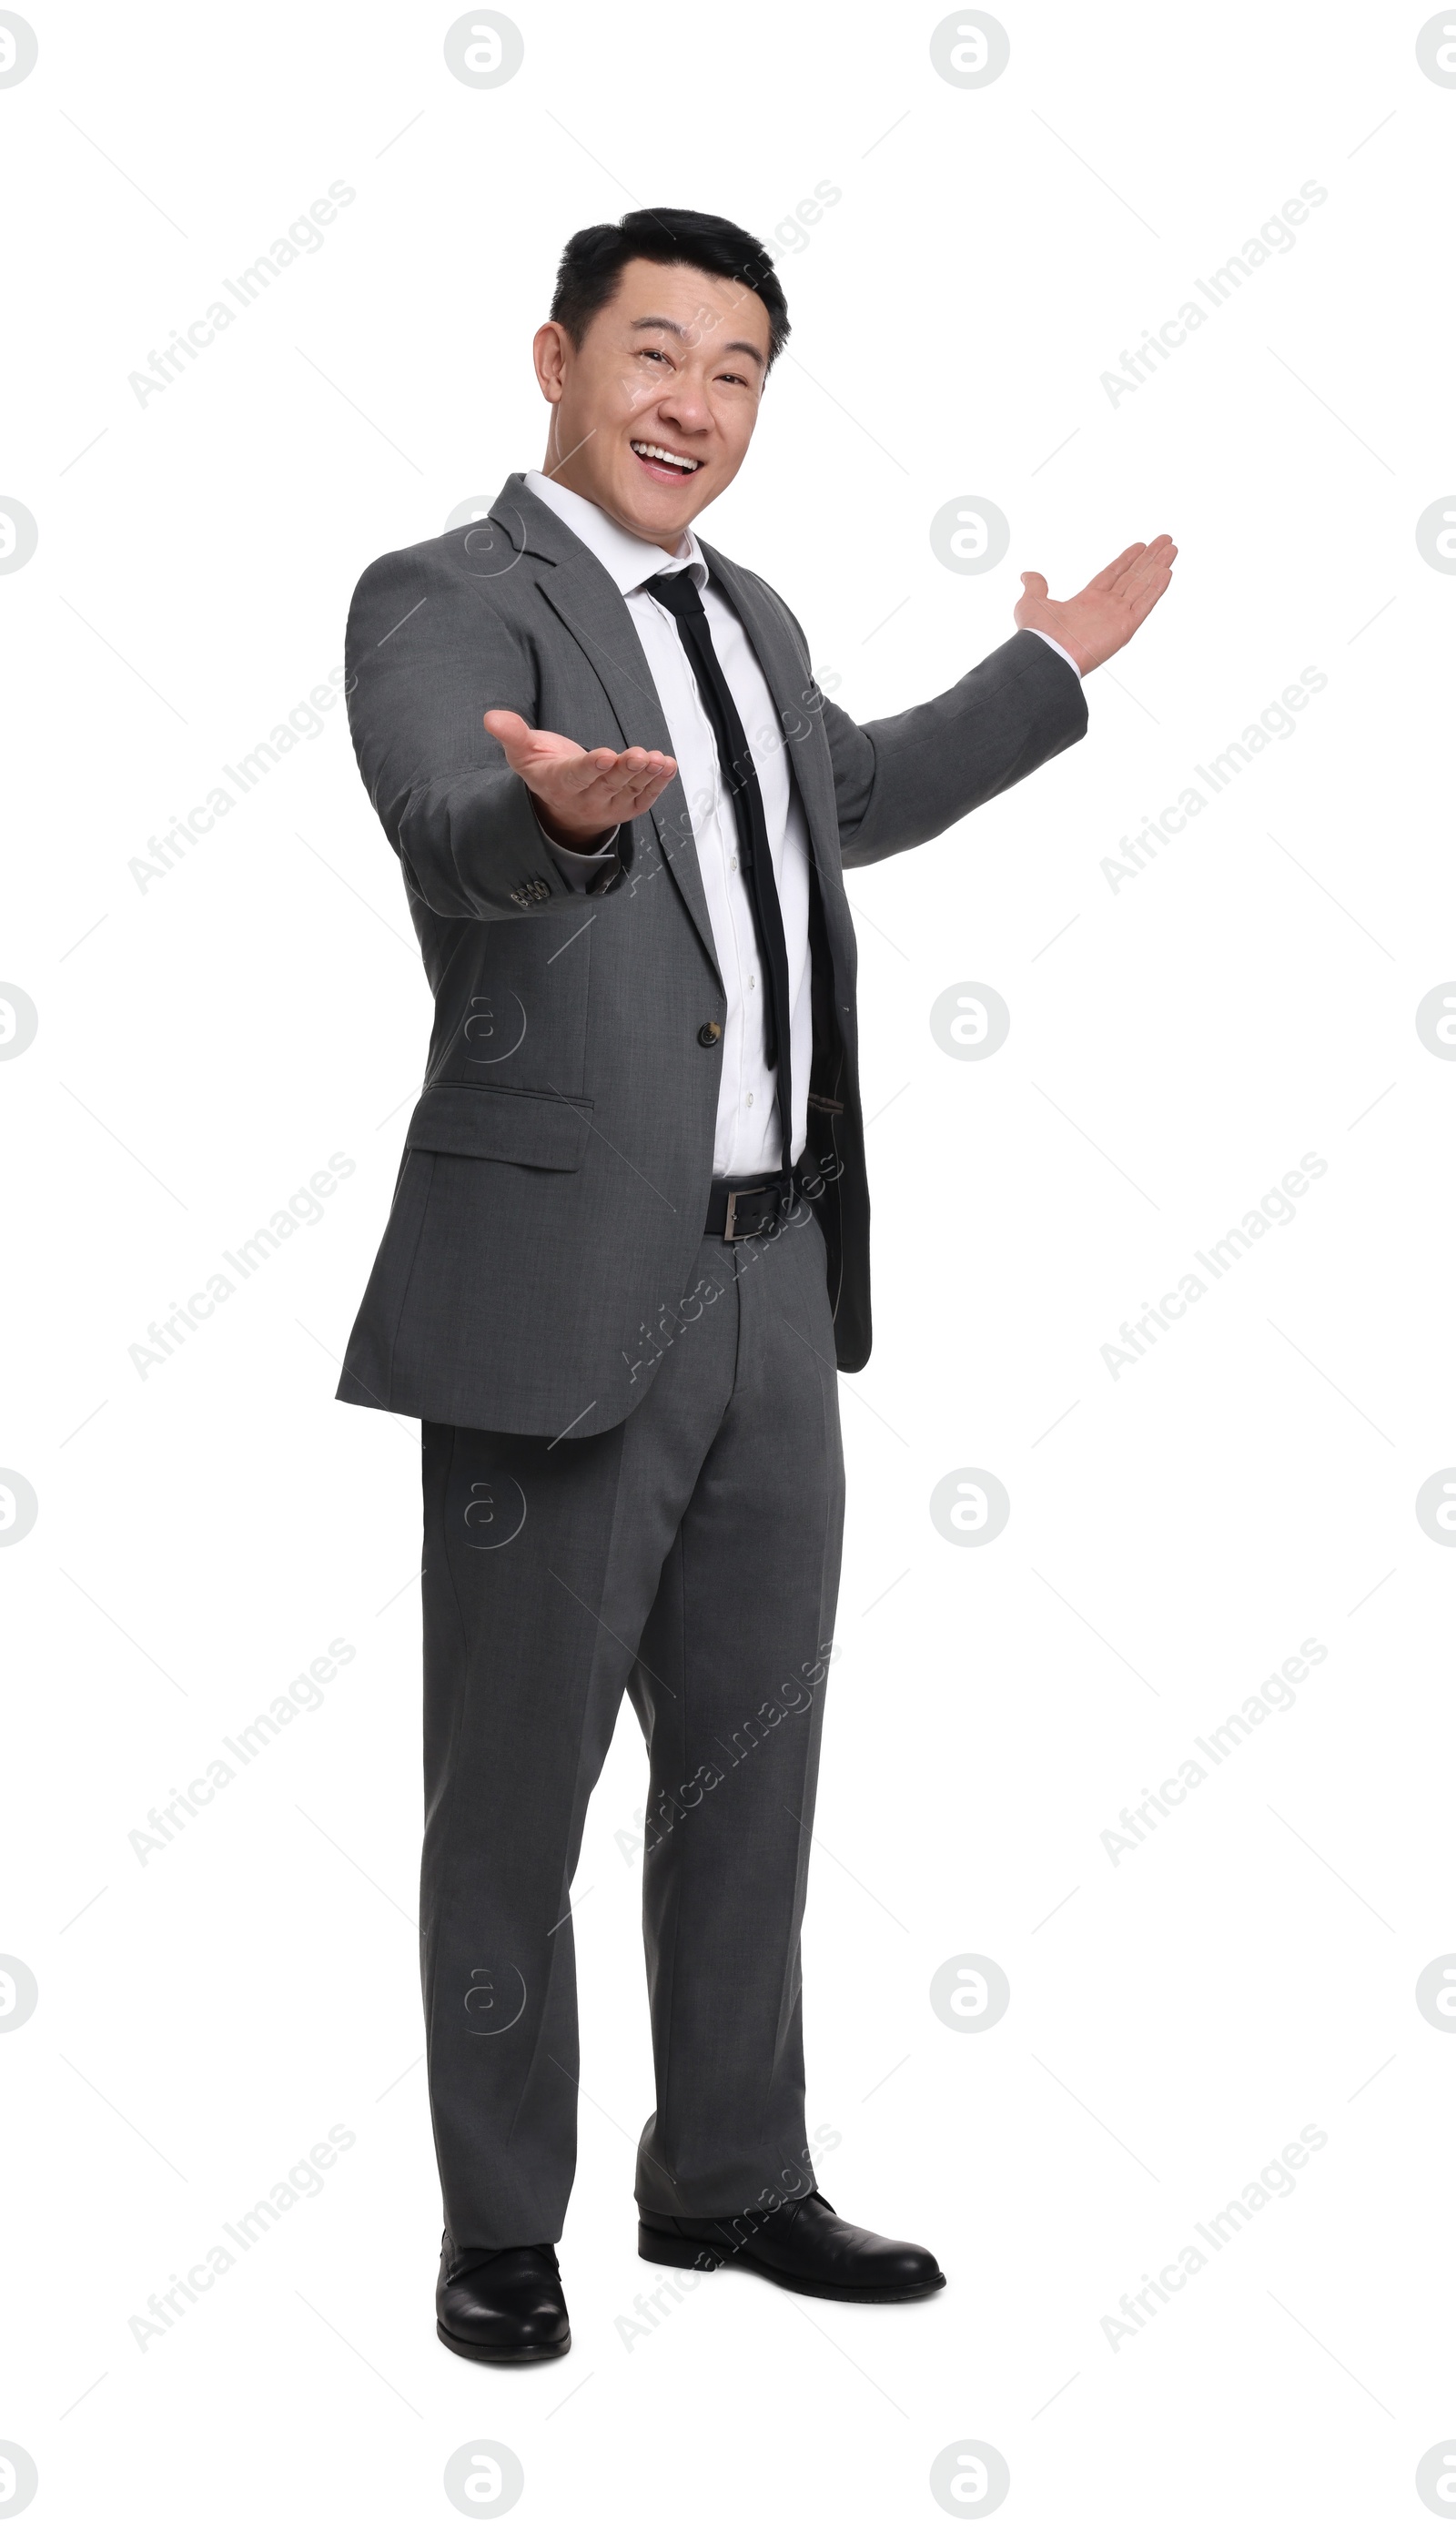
(746, 1207)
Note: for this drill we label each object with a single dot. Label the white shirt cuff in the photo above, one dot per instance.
(1056, 646)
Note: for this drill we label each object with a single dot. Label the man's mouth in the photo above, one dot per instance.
(664, 465)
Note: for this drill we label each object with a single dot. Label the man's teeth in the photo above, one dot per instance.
(665, 456)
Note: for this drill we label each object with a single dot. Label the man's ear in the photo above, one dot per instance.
(550, 352)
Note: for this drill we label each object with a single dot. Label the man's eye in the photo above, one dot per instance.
(649, 355)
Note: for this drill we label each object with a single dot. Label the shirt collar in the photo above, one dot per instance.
(630, 560)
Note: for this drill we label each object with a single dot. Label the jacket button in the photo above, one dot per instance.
(710, 1032)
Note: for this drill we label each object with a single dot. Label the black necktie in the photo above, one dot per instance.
(678, 591)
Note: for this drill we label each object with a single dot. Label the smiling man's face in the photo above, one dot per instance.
(653, 416)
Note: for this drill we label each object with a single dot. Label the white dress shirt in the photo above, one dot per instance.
(747, 1140)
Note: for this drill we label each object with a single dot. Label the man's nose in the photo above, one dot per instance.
(685, 406)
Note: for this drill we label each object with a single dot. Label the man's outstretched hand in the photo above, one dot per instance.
(580, 793)
(1102, 617)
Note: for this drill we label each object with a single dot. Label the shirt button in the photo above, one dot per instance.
(733, 864)
(748, 1102)
(753, 980)
(710, 1032)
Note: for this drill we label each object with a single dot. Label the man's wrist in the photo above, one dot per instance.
(1060, 647)
(588, 844)
(587, 867)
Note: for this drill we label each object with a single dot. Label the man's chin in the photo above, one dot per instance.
(658, 511)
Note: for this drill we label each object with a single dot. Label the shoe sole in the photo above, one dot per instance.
(499, 2354)
(665, 2250)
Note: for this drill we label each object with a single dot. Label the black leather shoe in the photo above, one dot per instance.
(804, 2246)
(501, 2306)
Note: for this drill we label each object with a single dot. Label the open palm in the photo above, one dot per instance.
(1101, 618)
(581, 793)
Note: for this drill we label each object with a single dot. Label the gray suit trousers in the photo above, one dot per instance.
(688, 1554)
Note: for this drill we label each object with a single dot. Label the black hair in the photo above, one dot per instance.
(593, 261)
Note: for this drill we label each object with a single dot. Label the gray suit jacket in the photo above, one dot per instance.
(550, 1201)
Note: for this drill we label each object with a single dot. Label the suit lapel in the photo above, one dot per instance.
(588, 603)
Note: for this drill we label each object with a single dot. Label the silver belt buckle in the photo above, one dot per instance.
(730, 1217)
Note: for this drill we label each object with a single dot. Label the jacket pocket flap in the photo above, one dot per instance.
(529, 1127)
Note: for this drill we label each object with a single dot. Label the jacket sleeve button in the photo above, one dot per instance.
(710, 1032)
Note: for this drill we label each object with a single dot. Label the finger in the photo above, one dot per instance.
(656, 776)
(1121, 575)
(657, 769)
(1113, 571)
(1145, 596)
(529, 751)
(1034, 584)
(622, 776)
(642, 798)
(1152, 558)
(1157, 557)
(653, 779)
(513, 733)
(1144, 604)
(641, 764)
(581, 773)
(1150, 571)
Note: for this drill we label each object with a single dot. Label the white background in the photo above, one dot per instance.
(207, 1042)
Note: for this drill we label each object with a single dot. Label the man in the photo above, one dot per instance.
(629, 1242)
